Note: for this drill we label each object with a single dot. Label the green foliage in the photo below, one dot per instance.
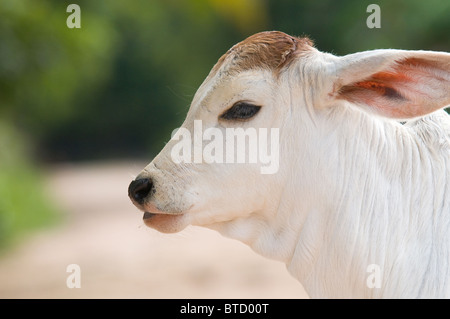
(23, 203)
(340, 26)
(45, 68)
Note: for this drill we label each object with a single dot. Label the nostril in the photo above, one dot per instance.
(139, 189)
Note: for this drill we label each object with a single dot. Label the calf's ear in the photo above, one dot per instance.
(394, 83)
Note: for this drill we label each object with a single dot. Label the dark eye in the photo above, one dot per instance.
(240, 111)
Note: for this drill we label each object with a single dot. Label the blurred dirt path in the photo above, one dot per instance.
(121, 258)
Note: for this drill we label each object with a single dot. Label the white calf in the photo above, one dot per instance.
(360, 203)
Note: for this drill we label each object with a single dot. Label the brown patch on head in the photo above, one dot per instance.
(271, 50)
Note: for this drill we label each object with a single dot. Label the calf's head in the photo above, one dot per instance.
(223, 163)
(258, 124)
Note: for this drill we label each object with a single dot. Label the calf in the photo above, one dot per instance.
(358, 203)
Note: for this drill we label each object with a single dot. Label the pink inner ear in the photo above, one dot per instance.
(400, 92)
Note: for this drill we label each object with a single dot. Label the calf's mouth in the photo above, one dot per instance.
(167, 218)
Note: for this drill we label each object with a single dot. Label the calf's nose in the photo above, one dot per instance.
(139, 189)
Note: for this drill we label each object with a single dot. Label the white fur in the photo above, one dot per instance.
(353, 188)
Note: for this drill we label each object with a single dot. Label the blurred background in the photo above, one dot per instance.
(83, 110)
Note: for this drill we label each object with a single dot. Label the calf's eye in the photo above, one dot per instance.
(240, 111)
